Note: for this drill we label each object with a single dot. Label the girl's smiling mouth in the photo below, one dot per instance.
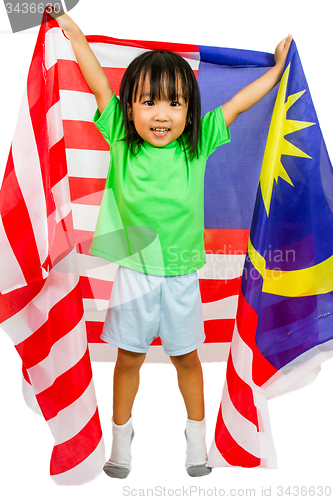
(160, 131)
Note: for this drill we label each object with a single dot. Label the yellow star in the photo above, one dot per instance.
(277, 145)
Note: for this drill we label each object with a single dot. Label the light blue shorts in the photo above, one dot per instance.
(144, 306)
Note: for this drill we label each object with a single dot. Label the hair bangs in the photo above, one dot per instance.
(162, 81)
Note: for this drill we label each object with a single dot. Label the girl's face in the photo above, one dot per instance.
(160, 121)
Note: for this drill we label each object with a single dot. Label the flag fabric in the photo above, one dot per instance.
(284, 325)
(54, 294)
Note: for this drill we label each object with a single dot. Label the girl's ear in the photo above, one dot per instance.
(129, 112)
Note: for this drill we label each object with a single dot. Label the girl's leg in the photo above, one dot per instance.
(125, 384)
(125, 387)
(190, 381)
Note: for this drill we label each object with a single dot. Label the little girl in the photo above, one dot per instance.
(151, 222)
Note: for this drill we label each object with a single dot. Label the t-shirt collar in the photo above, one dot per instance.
(172, 144)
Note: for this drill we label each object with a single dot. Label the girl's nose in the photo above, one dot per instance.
(161, 112)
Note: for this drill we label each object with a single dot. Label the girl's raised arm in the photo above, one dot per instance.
(90, 67)
(250, 95)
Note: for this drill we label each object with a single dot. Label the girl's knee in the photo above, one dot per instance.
(130, 360)
(186, 361)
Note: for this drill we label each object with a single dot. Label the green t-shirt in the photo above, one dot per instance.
(152, 213)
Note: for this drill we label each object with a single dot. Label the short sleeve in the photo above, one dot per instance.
(110, 122)
(214, 131)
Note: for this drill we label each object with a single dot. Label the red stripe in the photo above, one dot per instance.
(216, 330)
(94, 332)
(47, 23)
(13, 302)
(52, 94)
(181, 48)
(83, 135)
(62, 318)
(230, 450)
(37, 85)
(71, 453)
(63, 241)
(66, 389)
(92, 288)
(219, 330)
(226, 241)
(212, 290)
(58, 162)
(17, 224)
(247, 319)
(83, 240)
(82, 236)
(70, 77)
(241, 395)
(156, 341)
(87, 191)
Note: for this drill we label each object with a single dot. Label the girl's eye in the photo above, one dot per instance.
(149, 103)
(174, 103)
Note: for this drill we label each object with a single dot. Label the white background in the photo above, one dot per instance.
(301, 421)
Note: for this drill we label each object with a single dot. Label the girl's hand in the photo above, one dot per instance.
(65, 22)
(281, 51)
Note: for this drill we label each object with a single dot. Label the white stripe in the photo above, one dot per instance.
(71, 420)
(96, 316)
(94, 305)
(208, 352)
(115, 56)
(30, 398)
(62, 199)
(60, 282)
(54, 124)
(11, 276)
(28, 173)
(85, 216)
(120, 56)
(265, 434)
(242, 357)
(95, 267)
(222, 267)
(221, 309)
(64, 354)
(77, 105)
(242, 430)
(57, 46)
(215, 458)
(86, 471)
(87, 163)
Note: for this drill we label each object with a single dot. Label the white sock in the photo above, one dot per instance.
(120, 459)
(196, 452)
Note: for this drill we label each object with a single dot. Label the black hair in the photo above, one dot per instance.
(160, 67)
